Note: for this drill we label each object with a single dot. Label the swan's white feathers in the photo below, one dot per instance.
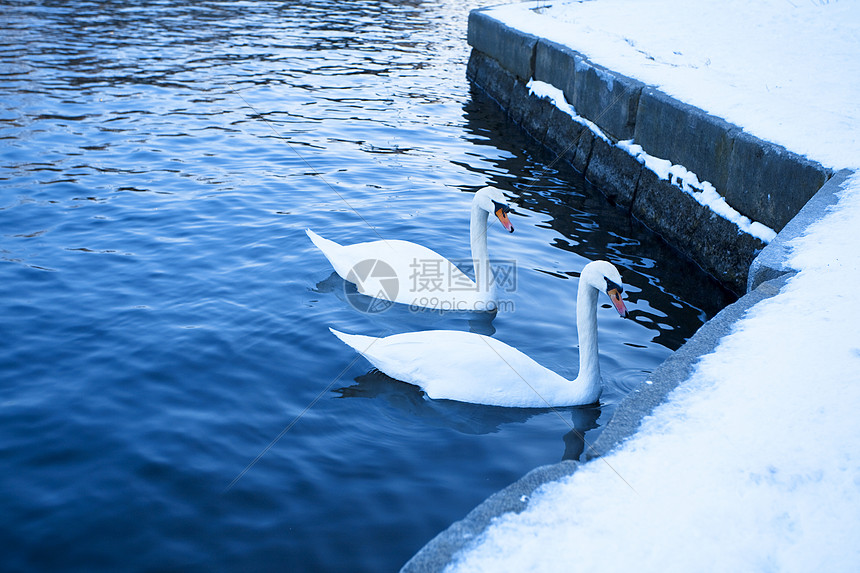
(404, 259)
(424, 278)
(470, 367)
(467, 367)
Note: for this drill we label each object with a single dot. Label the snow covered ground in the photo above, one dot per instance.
(754, 462)
(787, 71)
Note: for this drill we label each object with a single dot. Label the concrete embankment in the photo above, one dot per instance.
(762, 181)
(759, 180)
(442, 549)
(769, 272)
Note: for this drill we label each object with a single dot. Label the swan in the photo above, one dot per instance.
(469, 367)
(408, 273)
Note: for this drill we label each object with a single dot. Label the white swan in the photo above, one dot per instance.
(412, 274)
(468, 367)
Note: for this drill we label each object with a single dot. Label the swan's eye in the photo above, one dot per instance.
(610, 285)
(496, 206)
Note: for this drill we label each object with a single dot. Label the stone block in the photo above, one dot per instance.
(487, 74)
(569, 139)
(613, 171)
(537, 115)
(773, 261)
(668, 211)
(726, 252)
(714, 243)
(513, 49)
(607, 98)
(519, 103)
(556, 64)
(768, 183)
(685, 135)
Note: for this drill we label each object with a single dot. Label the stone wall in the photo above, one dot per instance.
(760, 180)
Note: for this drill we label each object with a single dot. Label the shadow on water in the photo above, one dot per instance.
(582, 421)
(467, 418)
(411, 401)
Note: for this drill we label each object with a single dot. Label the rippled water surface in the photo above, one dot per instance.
(171, 397)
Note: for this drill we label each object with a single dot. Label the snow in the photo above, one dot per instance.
(754, 462)
(556, 96)
(702, 191)
(785, 70)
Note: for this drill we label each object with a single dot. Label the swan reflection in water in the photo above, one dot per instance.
(583, 419)
(463, 417)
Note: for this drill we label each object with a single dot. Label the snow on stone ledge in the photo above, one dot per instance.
(702, 191)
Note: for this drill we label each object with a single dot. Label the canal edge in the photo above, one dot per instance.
(503, 62)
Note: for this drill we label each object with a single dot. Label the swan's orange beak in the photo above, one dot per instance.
(502, 214)
(615, 297)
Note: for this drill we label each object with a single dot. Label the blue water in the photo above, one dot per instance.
(171, 398)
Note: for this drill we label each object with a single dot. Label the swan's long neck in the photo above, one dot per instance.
(480, 257)
(586, 326)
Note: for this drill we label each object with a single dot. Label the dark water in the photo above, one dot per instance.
(171, 398)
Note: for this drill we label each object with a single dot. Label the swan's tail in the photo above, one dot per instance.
(322, 244)
(358, 342)
(332, 251)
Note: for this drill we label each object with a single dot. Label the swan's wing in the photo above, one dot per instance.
(400, 271)
(462, 366)
(424, 277)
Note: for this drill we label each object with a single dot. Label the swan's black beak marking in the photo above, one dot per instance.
(501, 212)
(614, 291)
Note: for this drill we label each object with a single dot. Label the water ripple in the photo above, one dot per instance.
(165, 317)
